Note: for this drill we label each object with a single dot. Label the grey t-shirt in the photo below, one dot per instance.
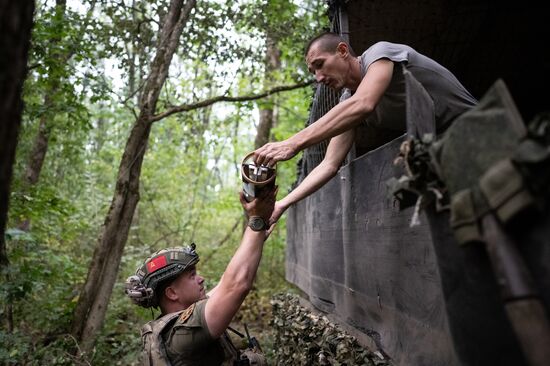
(450, 98)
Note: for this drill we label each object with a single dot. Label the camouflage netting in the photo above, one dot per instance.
(307, 339)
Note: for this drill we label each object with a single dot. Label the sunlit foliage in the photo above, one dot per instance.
(87, 67)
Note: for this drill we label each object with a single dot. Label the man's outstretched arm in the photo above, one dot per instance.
(318, 177)
(239, 275)
(342, 117)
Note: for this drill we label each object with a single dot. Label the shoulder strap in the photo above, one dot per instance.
(153, 352)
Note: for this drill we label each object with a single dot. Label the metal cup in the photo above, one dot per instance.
(256, 178)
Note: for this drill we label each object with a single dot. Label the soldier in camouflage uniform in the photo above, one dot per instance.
(192, 327)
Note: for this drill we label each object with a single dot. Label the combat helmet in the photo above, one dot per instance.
(161, 266)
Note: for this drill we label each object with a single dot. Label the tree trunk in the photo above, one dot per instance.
(268, 115)
(15, 32)
(131, 50)
(40, 146)
(93, 300)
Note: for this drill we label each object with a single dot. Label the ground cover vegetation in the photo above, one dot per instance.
(136, 117)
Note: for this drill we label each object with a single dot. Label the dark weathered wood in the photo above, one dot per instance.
(424, 299)
(354, 253)
(421, 297)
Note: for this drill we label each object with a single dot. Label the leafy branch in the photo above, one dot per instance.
(225, 98)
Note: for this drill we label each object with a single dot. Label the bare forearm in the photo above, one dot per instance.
(241, 270)
(336, 152)
(315, 180)
(349, 113)
(235, 284)
(344, 116)
(239, 275)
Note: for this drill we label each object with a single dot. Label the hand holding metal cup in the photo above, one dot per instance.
(256, 177)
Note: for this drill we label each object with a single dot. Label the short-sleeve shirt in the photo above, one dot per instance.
(189, 342)
(449, 96)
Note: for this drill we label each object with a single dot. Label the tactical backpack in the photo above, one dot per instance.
(154, 352)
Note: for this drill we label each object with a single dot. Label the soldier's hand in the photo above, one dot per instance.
(262, 205)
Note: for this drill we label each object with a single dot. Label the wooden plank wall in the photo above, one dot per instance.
(354, 254)
(422, 298)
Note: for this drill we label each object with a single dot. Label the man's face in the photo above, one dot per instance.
(329, 68)
(189, 286)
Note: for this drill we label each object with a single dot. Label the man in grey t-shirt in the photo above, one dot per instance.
(374, 90)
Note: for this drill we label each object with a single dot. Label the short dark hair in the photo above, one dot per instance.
(328, 41)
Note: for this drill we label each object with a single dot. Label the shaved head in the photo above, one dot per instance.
(327, 42)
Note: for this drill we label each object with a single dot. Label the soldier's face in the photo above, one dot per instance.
(329, 68)
(190, 286)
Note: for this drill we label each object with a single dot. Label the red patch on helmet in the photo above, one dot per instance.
(156, 263)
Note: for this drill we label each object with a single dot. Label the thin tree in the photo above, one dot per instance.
(40, 146)
(93, 300)
(59, 55)
(91, 307)
(268, 115)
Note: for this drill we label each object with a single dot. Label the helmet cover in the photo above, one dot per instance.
(162, 265)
